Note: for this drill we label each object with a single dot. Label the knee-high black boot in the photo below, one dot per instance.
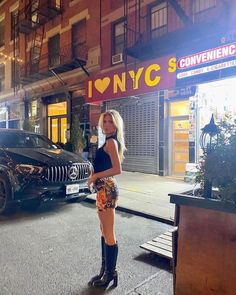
(102, 270)
(110, 273)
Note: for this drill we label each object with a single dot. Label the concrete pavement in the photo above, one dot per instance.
(147, 195)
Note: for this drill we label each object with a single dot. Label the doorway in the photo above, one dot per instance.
(179, 136)
(180, 145)
(57, 122)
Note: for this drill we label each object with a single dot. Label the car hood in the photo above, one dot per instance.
(43, 156)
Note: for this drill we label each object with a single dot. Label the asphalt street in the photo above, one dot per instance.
(55, 251)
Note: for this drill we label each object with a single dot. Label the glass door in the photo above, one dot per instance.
(57, 126)
(57, 122)
(180, 145)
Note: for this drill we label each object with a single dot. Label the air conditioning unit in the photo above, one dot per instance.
(117, 58)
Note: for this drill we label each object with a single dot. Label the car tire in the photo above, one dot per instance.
(31, 205)
(4, 194)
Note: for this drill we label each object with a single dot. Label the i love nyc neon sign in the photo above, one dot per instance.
(147, 77)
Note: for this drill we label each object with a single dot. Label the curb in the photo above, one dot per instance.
(138, 213)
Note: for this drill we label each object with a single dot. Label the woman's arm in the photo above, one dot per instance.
(112, 149)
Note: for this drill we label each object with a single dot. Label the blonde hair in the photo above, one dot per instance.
(119, 124)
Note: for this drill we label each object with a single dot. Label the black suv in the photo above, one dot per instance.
(33, 169)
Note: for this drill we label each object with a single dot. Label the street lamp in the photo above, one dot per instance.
(208, 140)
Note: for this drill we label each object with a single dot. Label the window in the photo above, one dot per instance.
(201, 5)
(54, 51)
(34, 12)
(159, 20)
(79, 39)
(2, 77)
(118, 37)
(14, 31)
(2, 33)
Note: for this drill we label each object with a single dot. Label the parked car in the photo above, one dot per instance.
(33, 170)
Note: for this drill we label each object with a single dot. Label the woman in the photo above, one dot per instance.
(107, 163)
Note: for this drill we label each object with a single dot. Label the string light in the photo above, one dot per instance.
(19, 60)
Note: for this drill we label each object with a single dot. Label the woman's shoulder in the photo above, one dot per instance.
(111, 142)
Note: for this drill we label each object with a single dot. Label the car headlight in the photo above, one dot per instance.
(29, 169)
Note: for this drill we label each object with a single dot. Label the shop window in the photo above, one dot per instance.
(13, 124)
(2, 33)
(54, 51)
(2, 77)
(201, 5)
(14, 31)
(179, 108)
(118, 37)
(79, 39)
(3, 124)
(57, 109)
(159, 20)
(14, 111)
(3, 116)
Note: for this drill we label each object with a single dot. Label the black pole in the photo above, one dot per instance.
(207, 190)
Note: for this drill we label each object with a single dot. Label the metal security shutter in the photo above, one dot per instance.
(140, 115)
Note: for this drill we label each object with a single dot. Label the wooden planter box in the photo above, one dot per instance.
(205, 258)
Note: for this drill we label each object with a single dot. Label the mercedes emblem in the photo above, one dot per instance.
(73, 172)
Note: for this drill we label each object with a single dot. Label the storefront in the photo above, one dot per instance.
(139, 97)
(56, 112)
(10, 114)
(141, 119)
(209, 66)
(57, 121)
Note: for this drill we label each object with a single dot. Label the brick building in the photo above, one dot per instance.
(47, 50)
(142, 44)
(145, 58)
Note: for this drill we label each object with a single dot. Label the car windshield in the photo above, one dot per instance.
(25, 140)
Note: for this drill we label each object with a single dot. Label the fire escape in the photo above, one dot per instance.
(138, 42)
(141, 45)
(30, 21)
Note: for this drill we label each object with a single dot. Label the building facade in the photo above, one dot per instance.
(145, 76)
(48, 48)
(150, 60)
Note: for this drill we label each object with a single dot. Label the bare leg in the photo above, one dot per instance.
(107, 220)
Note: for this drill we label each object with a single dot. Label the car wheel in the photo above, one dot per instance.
(4, 194)
(31, 205)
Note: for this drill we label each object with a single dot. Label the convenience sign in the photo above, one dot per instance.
(211, 64)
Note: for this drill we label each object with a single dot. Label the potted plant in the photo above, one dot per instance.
(206, 219)
(76, 142)
(27, 125)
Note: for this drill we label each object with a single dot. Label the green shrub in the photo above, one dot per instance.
(76, 143)
(219, 166)
(27, 125)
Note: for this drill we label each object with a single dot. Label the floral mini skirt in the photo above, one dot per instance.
(107, 193)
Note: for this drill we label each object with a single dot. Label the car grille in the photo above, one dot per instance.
(62, 173)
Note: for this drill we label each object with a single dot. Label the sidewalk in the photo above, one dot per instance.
(147, 195)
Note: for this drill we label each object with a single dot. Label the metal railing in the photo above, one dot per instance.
(66, 56)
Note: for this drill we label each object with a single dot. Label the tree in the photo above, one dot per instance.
(77, 140)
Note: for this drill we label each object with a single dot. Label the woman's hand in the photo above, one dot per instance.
(91, 180)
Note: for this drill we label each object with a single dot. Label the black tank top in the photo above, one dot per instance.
(102, 160)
